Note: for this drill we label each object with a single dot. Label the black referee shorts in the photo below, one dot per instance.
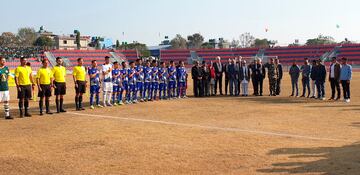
(25, 92)
(60, 88)
(81, 88)
(45, 91)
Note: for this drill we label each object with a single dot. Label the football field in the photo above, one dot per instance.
(215, 135)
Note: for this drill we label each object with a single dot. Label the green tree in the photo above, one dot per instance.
(261, 43)
(246, 40)
(78, 36)
(320, 40)
(8, 39)
(141, 48)
(44, 41)
(207, 45)
(178, 42)
(26, 36)
(195, 41)
(117, 46)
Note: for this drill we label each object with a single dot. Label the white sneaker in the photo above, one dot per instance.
(347, 100)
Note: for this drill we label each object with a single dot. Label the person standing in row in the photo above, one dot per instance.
(205, 79)
(79, 77)
(320, 79)
(212, 79)
(44, 79)
(345, 78)
(279, 69)
(24, 82)
(244, 78)
(294, 72)
(107, 84)
(4, 88)
(59, 73)
(227, 76)
(196, 75)
(334, 79)
(219, 69)
(273, 76)
(305, 72)
(258, 72)
(313, 74)
(95, 84)
(232, 77)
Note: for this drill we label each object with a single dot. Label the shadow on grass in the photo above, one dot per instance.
(323, 160)
(355, 124)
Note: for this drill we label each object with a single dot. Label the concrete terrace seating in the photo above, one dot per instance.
(287, 55)
(175, 55)
(35, 64)
(89, 55)
(352, 52)
(210, 54)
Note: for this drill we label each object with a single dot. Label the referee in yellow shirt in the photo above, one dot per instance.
(79, 76)
(24, 82)
(59, 73)
(44, 81)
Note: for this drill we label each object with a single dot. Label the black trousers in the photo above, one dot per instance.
(320, 86)
(258, 88)
(278, 86)
(346, 88)
(206, 87)
(218, 83)
(197, 87)
(334, 85)
(226, 86)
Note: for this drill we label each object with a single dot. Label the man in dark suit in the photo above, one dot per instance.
(259, 75)
(196, 75)
(227, 76)
(334, 78)
(278, 65)
(320, 80)
(219, 69)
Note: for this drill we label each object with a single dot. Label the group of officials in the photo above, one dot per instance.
(208, 78)
(238, 75)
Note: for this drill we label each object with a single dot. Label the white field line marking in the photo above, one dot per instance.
(213, 127)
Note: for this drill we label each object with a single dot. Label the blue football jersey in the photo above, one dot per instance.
(140, 70)
(155, 74)
(172, 73)
(181, 74)
(162, 75)
(124, 73)
(116, 76)
(132, 79)
(94, 81)
(148, 74)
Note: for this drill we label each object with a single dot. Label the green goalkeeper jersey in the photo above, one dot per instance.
(4, 74)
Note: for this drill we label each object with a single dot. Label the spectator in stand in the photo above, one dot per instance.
(305, 72)
(334, 78)
(313, 74)
(212, 79)
(294, 72)
(345, 78)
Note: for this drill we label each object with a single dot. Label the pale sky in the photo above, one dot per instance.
(143, 20)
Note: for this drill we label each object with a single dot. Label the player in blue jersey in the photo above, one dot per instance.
(117, 84)
(131, 96)
(172, 80)
(155, 80)
(94, 75)
(125, 82)
(162, 81)
(147, 81)
(181, 80)
(139, 79)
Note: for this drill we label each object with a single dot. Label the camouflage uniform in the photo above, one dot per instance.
(273, 75)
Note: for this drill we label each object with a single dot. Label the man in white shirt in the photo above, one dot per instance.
(107, 81)
(244, 78)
